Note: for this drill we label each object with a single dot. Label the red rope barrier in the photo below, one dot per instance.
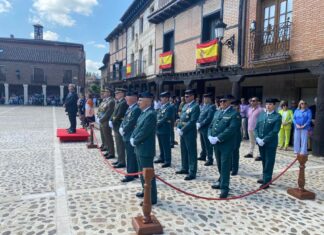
(111, 166)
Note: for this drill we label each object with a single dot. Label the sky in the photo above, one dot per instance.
(79, 21)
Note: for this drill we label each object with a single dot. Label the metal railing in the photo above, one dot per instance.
(271, 43)
(137, 68)
(163, 3)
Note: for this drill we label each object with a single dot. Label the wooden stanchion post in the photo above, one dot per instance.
(300, 192)
(147, 224)
(91, 145)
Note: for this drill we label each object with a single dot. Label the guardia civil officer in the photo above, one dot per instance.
(71, 107)
(238, 138)
(266, 134)
(220, 134)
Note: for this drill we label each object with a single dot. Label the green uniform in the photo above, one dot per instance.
(128, 125)
(144, 141)
(188, 140)
(205, 118)
(224, 126)
(117, 118)
(105, 110)
(163, 132)
(236, 152)
(267, 129)
(173, 119)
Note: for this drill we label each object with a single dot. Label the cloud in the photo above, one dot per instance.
(97, 45)
(48, 35)
(100, 46)
(5, 6)
(92, 66)
(60, 11)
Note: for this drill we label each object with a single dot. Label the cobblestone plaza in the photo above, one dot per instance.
(48, 187)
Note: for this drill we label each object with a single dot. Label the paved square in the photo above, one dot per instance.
(48, 187)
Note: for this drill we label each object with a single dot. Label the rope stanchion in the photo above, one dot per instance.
(111, 166)
(229, 198)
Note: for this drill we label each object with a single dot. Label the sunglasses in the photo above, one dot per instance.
(223, 101)
(187, 96)
(302, 103)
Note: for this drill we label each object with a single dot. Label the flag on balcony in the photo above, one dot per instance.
(166, 60)
(207, 52)
(128, 70)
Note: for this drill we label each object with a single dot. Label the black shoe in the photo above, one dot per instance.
(215, 186)
(260, 181)
(159, 161)
(106, 154)
(67, 129)
(101, 146)
(234, 173)
(182, 172)
(140, 194)
(208, 163)
(115, 163)
(248, 156)
(257, 159)
(119, 165)
(262, 186)
(223, 194)
(189, 177)
(110, 156)
(175, 143)
(201, 159)
(127, 179)
(103, 149)
(141, 204)
(166, 165)
(71, 131)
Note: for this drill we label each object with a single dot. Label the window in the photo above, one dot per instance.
(150, 55)
(2, 73)
(209, 26)
(141, 25)
(67, 78)
(140, 61)
(168, 42)
(133, 32)
(39, 75)
(117, 44)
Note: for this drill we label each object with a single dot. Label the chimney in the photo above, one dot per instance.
(38, 32)
(12, 36)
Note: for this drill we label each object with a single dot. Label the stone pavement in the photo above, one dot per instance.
(48, 187)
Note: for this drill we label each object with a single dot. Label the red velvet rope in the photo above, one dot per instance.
(194, 195)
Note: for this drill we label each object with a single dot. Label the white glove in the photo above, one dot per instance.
(110, 124)
(259, 141)
(179, 131)
(121, 131)
(132, 142)
(197, 125)
(213, 140)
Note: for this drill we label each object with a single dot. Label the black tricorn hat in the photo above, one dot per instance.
(118, 90)
(208, 95)
(189, 92)
(227, 97)
(165, 94)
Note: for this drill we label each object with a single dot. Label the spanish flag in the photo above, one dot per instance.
(128, 70)
(207, 52)
(166, 60)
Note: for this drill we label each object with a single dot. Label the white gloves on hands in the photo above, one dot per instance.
(132, 142)
(179, 131)
(259, 141)
(111, 124)
(121, 131)
(213, 140)
(198, 125)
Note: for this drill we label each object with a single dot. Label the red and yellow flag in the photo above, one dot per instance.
(128, 70)
(166, 60)
(207, 52)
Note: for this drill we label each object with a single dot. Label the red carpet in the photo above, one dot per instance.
(80, 135)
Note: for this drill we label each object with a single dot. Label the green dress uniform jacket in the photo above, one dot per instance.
(174, 117)
(236, 152)
(224, 126)
(205, 118)
(117, 118)
(188, 141)
(144, 141)
(163, 131)
(267, 129)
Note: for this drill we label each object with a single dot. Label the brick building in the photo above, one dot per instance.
(37, 66)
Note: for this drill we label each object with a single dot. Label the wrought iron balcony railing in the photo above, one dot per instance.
(137, 68)
(272, 43)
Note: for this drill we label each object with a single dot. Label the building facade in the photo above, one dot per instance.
(37, 66)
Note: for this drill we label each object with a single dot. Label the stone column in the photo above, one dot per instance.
(235, 80)
(6, 85)
(25, 93)
(44, 93)
(61, 93)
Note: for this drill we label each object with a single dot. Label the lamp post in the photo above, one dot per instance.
(219, 33)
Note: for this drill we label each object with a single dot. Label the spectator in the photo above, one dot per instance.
(81, 109)
(302, 122)
(285, 129)
(244, 107)
(253, 114)
(89, 110)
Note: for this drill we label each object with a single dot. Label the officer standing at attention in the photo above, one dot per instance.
(206, 116)
(115, 122)
(266, 135)
(106, 108)
(186, 128)
(220, 134)
(238, 139)
(71, 107)
(126, 129)
(163, 129)
(143, 139)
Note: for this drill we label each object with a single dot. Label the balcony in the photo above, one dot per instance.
(119, 73)
(272, 44)
(137, 69)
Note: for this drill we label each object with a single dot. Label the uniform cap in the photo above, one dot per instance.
(272, 100)
(132, 93)
(189, 92)
(165, 94)
(146, 94)
(227, 97)
(118, 90)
